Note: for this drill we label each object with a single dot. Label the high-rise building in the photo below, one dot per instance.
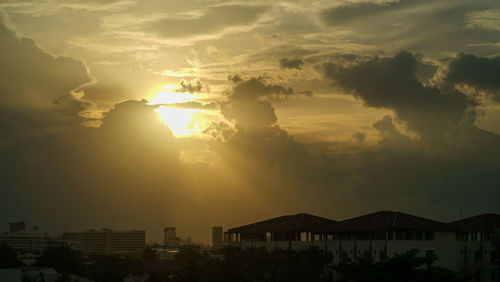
(217, 236)
(107, 241)
(170, 237)
(16, 227)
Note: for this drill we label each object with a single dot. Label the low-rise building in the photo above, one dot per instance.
(479, 252)
(385, 233)
(290, 231)
(469, 246)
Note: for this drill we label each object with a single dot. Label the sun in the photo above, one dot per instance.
(183, 122)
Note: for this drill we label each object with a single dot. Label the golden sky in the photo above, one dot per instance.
(145, 114)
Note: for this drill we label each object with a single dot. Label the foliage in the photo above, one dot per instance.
(8, 257)
(62, 259)
(406, 267)
(254, 265)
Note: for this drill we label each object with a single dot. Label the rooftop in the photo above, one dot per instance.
(487, 222)
(384, 220)
(298, 222)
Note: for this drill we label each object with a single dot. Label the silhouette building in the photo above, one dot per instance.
(107, 241)
(16, 227)
(470, 246)
(217, 236)
(170, 238)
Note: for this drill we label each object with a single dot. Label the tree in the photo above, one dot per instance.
(8, 257)
(63, 260)
(406, 267)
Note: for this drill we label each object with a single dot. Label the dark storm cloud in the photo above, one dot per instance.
(249, 101)
(392, 83)
(213, 20)
(452, 154)
(286, 63)
(257, 139)
(47, 159)
(36, 87)
(478, 72)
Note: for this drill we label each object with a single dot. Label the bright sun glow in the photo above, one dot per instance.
(183, 122)
(170, 97)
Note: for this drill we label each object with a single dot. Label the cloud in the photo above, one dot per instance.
(249, 101)
(208, 22)
(478, 72)
(257, 146)
(192, 86)
(486, 19)
(286, 63)
(38, 91)
(392, 83)
(424, 25)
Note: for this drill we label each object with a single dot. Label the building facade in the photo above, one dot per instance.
(107, 242)
(465, 246)
(217, 236)
(479, 246)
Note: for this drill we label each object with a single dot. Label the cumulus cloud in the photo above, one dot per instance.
(256, 138)
(38, 91)
(392, 83)
(249, 101)
(478, 72)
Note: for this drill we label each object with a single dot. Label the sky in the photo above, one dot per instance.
(133, 114)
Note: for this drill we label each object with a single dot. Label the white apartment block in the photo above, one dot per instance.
(464, 246)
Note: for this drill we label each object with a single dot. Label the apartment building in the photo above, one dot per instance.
(107, 241)
(470, 246)
(479, 246)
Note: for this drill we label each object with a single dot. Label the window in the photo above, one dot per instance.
(390, 235)
(268, 236)
(399, 235)
(419, 235)
(429, 235)
(303, 236)
(478, 256)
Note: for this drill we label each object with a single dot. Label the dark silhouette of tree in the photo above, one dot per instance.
(406, 267)
(110, 268)
(63, 260)
(8, 257)
(149, 253)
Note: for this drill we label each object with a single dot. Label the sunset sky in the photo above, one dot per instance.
(152, 113)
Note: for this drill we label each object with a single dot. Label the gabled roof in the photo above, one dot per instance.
(299, 222)
(487, 222)
(384, 220)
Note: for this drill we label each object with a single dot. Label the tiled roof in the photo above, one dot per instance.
(384, 220)
(487, 222)
(299, 222)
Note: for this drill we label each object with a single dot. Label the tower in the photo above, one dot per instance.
(216, 236)
(170, 236)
